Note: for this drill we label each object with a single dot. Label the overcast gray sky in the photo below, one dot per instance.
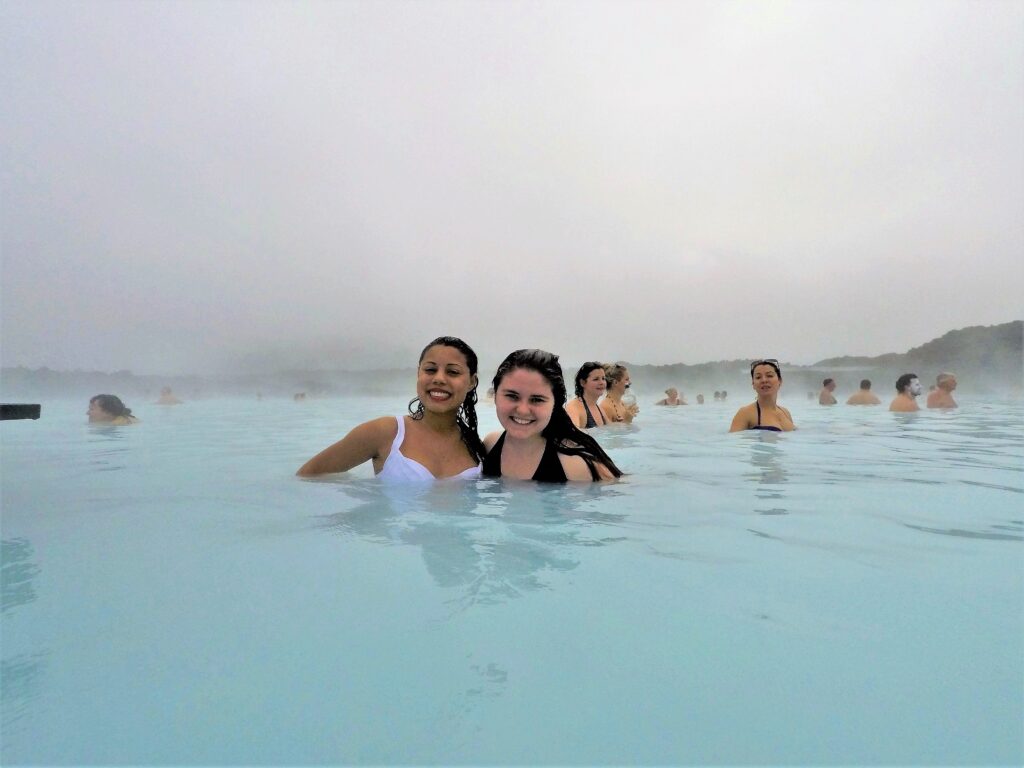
(197, 186)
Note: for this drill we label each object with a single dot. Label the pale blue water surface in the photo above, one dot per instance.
(850, 593)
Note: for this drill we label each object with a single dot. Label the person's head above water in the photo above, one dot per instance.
(771, 362)
(539, 361)
(617, 376)
(446, 382)
(590, 377)
(865, 383)
(103, 408)
(946, 381)
(546, 417)
(766, 378)
(826, 382)
(672, 392)
(908, 384)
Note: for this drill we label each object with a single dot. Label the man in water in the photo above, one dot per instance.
(942, 395)
(825, 397)
(908, 387)
(864, 396)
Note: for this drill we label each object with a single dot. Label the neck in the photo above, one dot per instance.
(440, 422)
(590, 399)
(528, 445)
(768, 399)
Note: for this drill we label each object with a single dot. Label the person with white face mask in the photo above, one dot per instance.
(908, 387)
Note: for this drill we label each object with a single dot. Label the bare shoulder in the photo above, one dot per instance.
(576, 469)
(384, 429)
(743, 419)
(490, 440)
(367, 441)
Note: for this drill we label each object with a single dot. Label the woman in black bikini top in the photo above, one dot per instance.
(590, 385)
(766, 379)
(540, 441)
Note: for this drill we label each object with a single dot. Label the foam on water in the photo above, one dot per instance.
(848, 593)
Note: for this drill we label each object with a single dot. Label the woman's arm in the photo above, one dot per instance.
(576, 469)
(788, 416)
(362, 444)
(741, 420)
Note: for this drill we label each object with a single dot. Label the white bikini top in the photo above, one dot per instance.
(399, 468)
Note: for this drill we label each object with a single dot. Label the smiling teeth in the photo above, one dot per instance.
(517, 420)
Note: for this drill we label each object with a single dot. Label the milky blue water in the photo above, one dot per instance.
(850, 593)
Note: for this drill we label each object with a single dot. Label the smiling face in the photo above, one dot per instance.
(595, 384)
(524, 401)
(443, 379)
(764, 380)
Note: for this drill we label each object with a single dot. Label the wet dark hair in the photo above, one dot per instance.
(865, 383)
(584, 373)
(466, 415)
(773, 363)
(826, 382)
(566, 436)
(904, 381)
(112, 404)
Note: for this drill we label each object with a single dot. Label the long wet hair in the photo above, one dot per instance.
(567, 437)
(465, 417)
(112, 404)
(584, 373)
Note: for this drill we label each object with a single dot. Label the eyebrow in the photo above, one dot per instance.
(510, 391)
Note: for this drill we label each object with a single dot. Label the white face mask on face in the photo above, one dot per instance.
(915, 387)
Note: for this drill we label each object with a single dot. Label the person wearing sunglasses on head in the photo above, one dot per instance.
(764, 413)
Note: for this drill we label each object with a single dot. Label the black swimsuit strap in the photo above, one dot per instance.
(591, 421)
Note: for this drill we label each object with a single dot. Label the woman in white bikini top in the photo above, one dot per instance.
(437, 441)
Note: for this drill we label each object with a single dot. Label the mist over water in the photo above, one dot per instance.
(220, 188)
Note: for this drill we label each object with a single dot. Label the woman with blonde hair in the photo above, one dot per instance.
(612, 406)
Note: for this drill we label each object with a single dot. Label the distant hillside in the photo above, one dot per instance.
(987, 359)
(981, 347)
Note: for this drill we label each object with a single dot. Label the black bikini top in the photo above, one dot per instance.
(766, 428)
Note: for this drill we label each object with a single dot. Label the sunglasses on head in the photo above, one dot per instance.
(767, 361)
